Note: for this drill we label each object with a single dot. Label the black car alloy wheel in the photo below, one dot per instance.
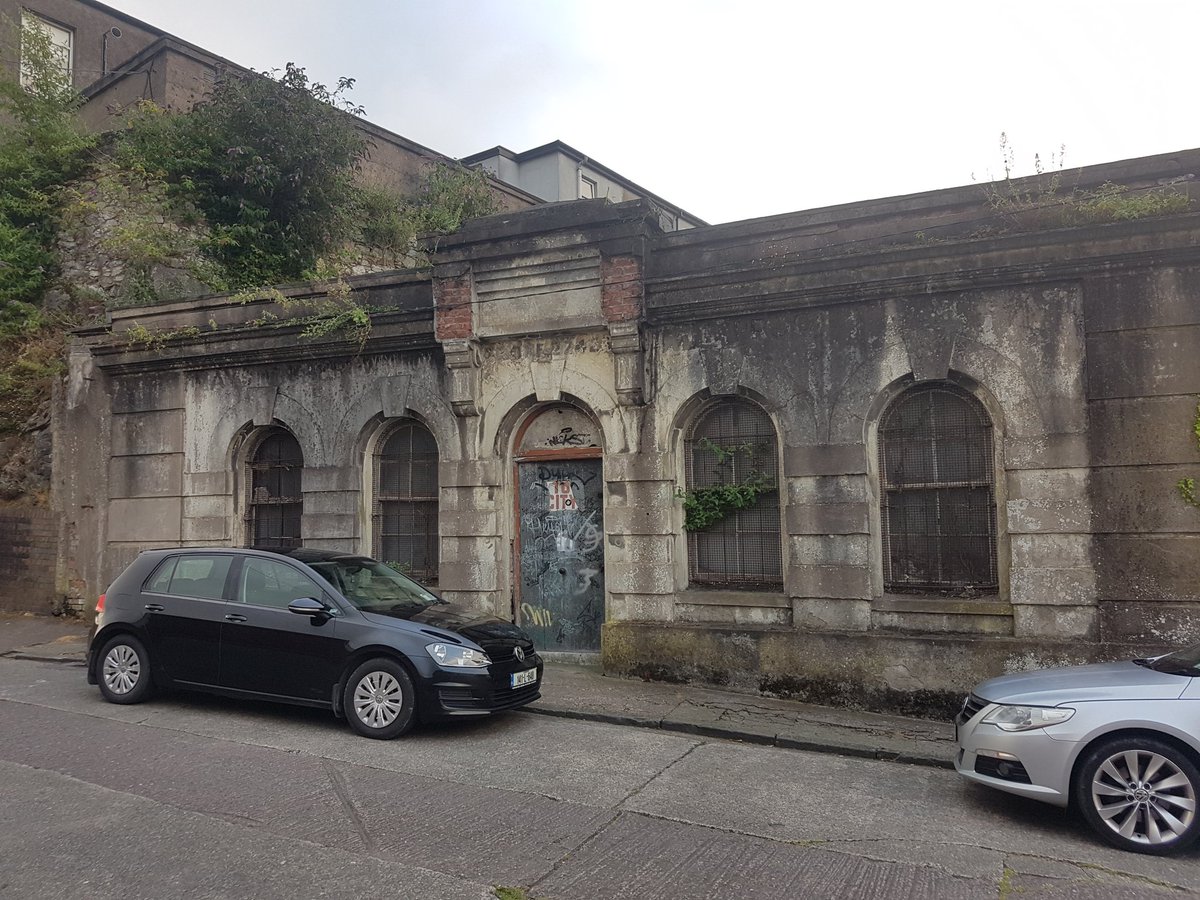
(1140, 794)
(123, 670)
(378, 699)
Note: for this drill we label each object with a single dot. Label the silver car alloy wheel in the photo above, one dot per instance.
(1144, 797)
(122, 669)
(378, 699)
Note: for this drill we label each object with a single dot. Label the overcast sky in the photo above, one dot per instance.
(742, 108)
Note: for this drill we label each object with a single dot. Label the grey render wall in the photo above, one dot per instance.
(1079, 341)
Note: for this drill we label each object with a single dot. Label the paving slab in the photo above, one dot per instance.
(639, 857)
(586, 693)
(54, 635)
(137, 848)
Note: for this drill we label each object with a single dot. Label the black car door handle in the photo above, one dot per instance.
(154, 607)
(234, 617)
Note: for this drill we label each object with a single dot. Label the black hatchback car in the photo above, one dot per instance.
(308, 627)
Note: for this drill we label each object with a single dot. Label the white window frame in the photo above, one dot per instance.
(60, 36)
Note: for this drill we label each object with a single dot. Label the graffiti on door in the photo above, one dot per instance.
(562, 553)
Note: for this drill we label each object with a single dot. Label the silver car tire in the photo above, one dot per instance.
(1140, 793)
(378, 699)
(123, 670)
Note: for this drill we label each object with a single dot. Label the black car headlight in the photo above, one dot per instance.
(1027, 718)
(453, 656)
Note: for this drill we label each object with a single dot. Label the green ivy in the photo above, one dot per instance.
(704, 507)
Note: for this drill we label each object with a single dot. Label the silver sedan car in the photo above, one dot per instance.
(1121, 741)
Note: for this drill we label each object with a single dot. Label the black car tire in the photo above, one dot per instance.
(123, 670)
(1133, 800)
(378, 699)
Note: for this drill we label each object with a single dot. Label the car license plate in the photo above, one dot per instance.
(529, 676)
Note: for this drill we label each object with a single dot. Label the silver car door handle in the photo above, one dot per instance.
(234, 617)
(154, 607)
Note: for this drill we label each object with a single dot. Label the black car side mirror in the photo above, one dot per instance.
(307, 606)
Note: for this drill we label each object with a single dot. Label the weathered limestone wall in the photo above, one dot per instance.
(825, 374)
(1143, 384)
(145, 483)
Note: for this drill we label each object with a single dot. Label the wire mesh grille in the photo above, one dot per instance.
(275, 507)
(733, 443)
(406, 501)
(938, 497)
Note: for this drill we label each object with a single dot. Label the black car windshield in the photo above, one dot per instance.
(373, 587)
(1181, 662)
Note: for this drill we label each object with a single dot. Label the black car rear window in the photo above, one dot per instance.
(197, 576)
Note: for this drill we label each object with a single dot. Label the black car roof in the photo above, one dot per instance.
(300, 554)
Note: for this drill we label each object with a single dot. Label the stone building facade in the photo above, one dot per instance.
(961, 432)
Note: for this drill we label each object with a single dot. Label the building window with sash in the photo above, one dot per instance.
(405, 515)
(732, 498)
(938, 493)
(275, 507)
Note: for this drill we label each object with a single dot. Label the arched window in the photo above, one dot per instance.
(938, 492)
(405, 511)
(275, 506)
(732, 445)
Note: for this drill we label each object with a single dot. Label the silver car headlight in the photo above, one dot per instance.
(458, 657)
(1027, 718)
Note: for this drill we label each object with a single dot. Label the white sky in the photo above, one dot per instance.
(742, 108)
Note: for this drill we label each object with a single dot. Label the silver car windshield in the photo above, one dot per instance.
(1181, 662)
(373, 587)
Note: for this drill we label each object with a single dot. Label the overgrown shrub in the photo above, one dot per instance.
(269, 162)
(42, 147)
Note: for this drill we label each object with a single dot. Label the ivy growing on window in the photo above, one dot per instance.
(704, 507)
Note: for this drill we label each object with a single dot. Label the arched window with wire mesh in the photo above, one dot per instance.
(405, 515)
(938, 492)
(731, 463)
(275, 506)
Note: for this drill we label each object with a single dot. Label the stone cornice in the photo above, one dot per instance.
(250, 346)
(755, 285)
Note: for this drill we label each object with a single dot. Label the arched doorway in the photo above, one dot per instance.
(560, 530)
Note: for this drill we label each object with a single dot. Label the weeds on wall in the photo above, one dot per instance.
(1187, 486)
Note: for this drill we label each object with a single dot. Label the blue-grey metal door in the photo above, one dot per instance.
(561, 590)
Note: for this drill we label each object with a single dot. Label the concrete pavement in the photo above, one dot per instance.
(580, 692)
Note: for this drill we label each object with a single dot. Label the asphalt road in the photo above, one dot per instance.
(201, 797)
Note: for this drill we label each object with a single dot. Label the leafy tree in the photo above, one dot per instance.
(448, 195)
(269, 161)
(42, 146)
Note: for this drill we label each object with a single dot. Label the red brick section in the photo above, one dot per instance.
(452, 301)
(621, 288)
(28, 553)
